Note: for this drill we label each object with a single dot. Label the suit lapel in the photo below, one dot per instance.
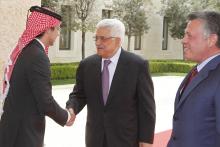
(118, 76)
(97, 78)
(203, 74)
(37, 43)
(179, 91)
(190, 87)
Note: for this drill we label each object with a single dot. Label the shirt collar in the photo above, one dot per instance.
(114, 59)
(201, 65)
(40, 42)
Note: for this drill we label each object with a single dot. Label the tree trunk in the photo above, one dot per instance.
(129, 40)
(140, 47)
(83, 39)
(129, 37)
(83, 44)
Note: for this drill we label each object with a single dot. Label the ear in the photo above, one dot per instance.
(212, 40)
(118, 40)
(47, 32)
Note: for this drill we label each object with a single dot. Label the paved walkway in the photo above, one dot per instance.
(165, 88)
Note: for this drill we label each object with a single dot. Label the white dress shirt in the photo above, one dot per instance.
(112, 66)
(40, 42)
(201, 65)
(69, 115)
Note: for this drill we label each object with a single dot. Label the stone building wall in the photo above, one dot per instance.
(12, 23)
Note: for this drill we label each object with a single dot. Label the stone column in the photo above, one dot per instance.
(13, 20)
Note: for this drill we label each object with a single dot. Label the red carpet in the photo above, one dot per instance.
(161, 139)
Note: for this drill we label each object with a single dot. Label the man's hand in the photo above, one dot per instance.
(71, 117)
(142, 144)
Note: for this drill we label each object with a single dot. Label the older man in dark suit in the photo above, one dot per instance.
(117, 88)
(27, 87)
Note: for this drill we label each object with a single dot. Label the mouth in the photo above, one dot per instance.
(185, 48)
(100, 48)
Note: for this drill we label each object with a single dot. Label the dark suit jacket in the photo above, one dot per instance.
(29, 100)
(196, 119)
(129, 114)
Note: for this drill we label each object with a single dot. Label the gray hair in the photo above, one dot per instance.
(211, 21)
(116, 26)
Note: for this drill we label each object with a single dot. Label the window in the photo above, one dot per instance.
(137, 42)
(165, 33)
(65, 32)
(106, 13)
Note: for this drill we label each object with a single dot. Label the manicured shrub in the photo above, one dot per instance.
(61, 71)
(166, 66)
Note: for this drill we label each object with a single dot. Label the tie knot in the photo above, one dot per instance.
(107, 62)
(194, 72)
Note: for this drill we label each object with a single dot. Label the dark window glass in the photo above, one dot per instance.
(106, 13)
(165, 34)
(65, 32)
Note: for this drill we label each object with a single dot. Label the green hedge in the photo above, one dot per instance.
(60, 71)
(167, 66)
(63, 71)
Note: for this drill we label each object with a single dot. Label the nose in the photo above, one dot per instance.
(184, 39)
(97, 42)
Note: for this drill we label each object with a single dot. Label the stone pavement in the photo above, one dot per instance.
(165, 88)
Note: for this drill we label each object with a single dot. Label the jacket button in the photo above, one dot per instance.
(174, 138)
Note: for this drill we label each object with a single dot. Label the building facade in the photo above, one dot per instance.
(156, 44)
(13, 17)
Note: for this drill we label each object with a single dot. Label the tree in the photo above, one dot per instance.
(133, 14)
(52, 4)
(177, 10)
(83, 8)
(82, 16)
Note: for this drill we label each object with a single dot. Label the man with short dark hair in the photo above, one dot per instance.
(196, 119)
(27, 88)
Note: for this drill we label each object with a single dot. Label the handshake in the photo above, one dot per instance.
(71, 117)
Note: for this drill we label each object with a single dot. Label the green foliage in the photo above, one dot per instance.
(85, 20)
(133, 15)
(63, 71)
(169, 66)
(77, 15)
(83, 16)
(52, 4)
(63, 81)
(67, 71)
(177, 10)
